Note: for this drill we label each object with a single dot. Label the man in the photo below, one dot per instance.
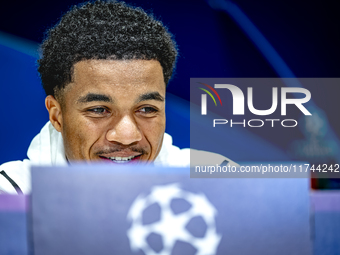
(104, 68)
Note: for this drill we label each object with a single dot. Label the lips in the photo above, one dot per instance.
(122, 154)
(122, 160)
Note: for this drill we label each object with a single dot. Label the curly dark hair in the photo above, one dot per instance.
(103, 30)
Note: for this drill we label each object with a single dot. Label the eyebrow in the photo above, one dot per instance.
(91, 97)
(150, 96)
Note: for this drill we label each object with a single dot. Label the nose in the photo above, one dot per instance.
(125, 131)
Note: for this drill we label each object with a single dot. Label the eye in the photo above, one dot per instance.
(98, 111)
(148, 110)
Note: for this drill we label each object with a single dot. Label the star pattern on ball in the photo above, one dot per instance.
(172, 227)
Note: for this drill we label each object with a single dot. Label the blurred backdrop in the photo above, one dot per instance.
(212, 43)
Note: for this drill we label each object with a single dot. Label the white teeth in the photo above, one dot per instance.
(122, 159)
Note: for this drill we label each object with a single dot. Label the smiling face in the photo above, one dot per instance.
(113, 110)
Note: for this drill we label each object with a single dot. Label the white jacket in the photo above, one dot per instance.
(47, 149)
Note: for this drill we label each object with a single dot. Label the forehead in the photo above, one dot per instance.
(116, 77)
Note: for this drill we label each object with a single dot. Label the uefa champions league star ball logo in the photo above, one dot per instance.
(172, 227)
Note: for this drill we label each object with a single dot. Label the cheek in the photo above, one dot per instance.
(79, 136)
(153, 132)
(73, 138)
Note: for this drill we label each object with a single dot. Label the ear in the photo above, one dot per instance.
(54, 111)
